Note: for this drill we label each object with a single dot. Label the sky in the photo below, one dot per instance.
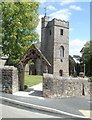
(78, 16)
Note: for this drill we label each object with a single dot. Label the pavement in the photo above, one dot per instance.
(35, 91)
(71, 107)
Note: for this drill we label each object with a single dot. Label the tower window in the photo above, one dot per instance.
(50, 32)
(61, 51)
(61, 72)
(61, 31)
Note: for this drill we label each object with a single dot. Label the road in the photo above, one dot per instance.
(15, 111)
(10, 110)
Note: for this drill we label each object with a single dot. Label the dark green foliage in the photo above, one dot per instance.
(78, 68)
(72, 64)
(87, 57)
(25, 87)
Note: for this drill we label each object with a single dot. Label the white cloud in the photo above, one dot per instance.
(41, 1)
(75, 7)
(77, 42)
(64, 2)
(71, 29)
(51, 8)
(63, 14)
(74, 52)
(75, 46)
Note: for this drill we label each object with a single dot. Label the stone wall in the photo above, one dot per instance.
(9, 79)
(58, 87)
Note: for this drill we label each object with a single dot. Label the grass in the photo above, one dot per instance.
(31, 80)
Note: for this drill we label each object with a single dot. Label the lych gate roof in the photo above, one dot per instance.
(34, 53)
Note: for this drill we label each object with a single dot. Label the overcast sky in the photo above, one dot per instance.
(78, 15)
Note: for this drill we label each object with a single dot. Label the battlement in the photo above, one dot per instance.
(55, 22)
(58, 22)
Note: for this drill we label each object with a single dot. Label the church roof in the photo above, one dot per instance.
(34, 53)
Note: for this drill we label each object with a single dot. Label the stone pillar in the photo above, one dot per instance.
(9, 77)
(2, 62)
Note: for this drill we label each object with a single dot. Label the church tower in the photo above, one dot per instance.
(55, 45)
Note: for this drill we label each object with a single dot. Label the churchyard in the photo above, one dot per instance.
(60, 74)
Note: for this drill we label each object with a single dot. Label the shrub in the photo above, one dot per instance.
(90, 79)
(25, 86)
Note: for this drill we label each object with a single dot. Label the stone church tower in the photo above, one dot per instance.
(55, 45)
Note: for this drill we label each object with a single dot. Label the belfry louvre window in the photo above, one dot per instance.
(61, 32)
(50, 32)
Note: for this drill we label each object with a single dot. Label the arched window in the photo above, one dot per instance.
(61, 51)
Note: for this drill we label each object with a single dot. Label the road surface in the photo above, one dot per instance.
(15, 111)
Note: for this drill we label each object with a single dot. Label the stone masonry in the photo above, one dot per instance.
(9, 79)
(54, 37)
(58, 87)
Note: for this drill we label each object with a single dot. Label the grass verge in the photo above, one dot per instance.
(31, 80)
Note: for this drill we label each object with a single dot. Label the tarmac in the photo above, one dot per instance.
(71, 107)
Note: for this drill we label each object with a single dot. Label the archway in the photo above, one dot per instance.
(33, 53)
(32, 67)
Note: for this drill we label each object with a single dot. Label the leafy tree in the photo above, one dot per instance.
(19, 21)
(78, 68)
(77, 57)
(72, 64)
(79, 65)
(87, 57)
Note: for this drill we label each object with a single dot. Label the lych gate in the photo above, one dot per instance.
(33, 53)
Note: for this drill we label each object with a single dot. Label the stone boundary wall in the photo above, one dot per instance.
(58, 87)
(9, 79)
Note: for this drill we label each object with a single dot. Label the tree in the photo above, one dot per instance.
(79, 65)
(19, 21)
(87, 57)
(72, 64)
(77, 57)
